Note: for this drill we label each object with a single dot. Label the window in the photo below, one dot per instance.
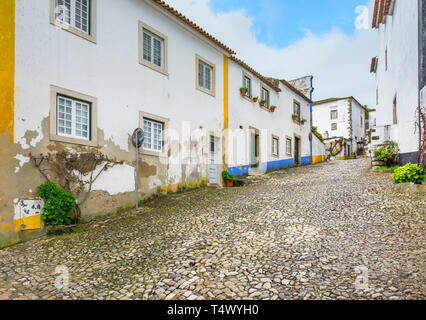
(296, 110)
(288, 146)
(334, 126)
(333, 114)
(362, 120)
(73, 117)
(264, 94)
(247, 84)
(275, 146)
(75, 16)
(154, 135)
(205, 76)
(152, 48)
(395, 112)
(386, 59)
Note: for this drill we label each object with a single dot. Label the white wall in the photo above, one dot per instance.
(400, 36)
(110, 71)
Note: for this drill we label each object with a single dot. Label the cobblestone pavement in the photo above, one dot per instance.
(315, 232)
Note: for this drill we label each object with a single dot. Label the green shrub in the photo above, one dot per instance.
(409, 173)
(317, 134)
(59, 204)
(227, 176)
(388, 153)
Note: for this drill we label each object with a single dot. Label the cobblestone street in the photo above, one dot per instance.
(315, 232)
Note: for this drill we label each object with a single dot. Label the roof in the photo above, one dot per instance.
(373, 67)
(338, 99)
(257, 74)
(382, 8)
(194, 26)
(295, 90)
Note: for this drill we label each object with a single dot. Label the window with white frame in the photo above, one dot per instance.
(205, 75)
(275, 146)
(154, 135)
(296, 110)
(153, 49)
(333, 114)
(334, 126)
(73, 118)
(75, 13)
(265, 96)
(247, 84)
(288, 146)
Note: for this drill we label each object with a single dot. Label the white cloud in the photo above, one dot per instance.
(339, 63)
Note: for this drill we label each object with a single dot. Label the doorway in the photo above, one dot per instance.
(254, 150)
(296, 151)
(213, 163)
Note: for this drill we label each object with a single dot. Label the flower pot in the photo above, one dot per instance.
(262, 104)
(229, 183)
(294, 118)
(243, 93)
(255, 100)
(273, 109)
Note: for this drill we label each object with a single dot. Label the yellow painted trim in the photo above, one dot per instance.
(318, 159)
(225, 92)
(31, 223)
(7, 67)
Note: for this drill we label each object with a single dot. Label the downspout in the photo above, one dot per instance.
(420, 71)
(310, 97)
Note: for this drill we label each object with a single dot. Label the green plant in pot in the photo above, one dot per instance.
(262, 103)
(303, 121)
(228, 178)
(255, 99)
(388, 153)
(243, 91)
(273, 108)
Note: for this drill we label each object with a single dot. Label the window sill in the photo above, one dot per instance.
(275, 156)
(152, 153)
(266, 109)
(154, 67)
(81, 142)
(210, 93)
(70, 29)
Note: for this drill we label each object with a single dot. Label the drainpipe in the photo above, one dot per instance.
(420, 70)
(310, 97)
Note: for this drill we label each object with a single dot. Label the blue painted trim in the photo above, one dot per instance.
(279, 164)
(311, 95)
(240, 172)
(306, 161)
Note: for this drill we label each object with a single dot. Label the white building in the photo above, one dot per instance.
(398, 70)
(261, 140)
(341, 118)
(74, 82)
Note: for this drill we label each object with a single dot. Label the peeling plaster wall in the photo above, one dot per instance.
(110, 71)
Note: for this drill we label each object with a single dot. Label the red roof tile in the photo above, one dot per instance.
(185, 20)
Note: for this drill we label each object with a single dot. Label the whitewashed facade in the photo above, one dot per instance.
(397, 74)
(341, 118)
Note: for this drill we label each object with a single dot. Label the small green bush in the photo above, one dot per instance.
(59, 204)
(388, 154)
(227, 176)
(409, 173)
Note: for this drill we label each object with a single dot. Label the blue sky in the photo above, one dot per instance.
(279, 23)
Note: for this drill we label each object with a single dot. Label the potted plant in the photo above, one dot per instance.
(303, 121)
(243, 91)
(262, 103)
(273, 108)
(228, 178)
(294, 116)
(255, 99)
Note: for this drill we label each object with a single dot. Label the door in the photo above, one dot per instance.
(213, 166)
(254, 158)
(296, 151)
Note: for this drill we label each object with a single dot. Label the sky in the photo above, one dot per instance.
(288, 39)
